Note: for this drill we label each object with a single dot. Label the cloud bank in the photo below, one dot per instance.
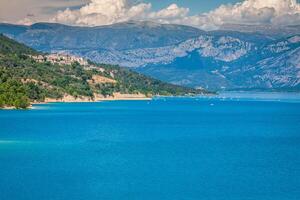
(29, 11)
(277, 12)
(105, 12)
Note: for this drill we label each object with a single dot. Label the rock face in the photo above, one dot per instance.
(237, 57)
(223, 48)
(236, 64)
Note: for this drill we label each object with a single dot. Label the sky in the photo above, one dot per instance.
(204, 14)
(195, 6)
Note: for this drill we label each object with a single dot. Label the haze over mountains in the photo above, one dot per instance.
(234, 57)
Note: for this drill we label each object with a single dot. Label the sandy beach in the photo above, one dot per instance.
(97, 98)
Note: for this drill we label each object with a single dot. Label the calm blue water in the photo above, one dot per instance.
(237, 146)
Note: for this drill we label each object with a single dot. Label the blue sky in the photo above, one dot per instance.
(196, 6)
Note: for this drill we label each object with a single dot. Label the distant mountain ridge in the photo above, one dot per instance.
(130, 35)
(235, 57)
(272, 31)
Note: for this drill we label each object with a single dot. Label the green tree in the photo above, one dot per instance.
(21, 102)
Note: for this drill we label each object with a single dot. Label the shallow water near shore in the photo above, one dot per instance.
(235, 146)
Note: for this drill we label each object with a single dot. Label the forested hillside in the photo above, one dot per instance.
(24, 80)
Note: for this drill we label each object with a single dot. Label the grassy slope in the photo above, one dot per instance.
(54, 81)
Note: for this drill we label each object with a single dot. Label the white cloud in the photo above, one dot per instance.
(26, 21)
(104, 12)
(276, 12)
(171, 12)
(257, 12)
(26, 11)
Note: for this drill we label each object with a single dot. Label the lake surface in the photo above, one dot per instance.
(237, 146)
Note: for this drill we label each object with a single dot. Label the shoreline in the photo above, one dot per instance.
(93, 101)
(14, 108)
(97, 98)
(79, 100)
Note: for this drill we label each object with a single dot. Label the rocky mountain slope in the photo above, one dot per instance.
(236, 57)
(229, 63)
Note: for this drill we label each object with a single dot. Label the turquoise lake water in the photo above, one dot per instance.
(237, 146)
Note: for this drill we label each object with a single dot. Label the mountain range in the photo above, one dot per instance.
(28, 76)
(236, 57)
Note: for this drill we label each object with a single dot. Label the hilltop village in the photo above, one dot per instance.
(61, 59)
